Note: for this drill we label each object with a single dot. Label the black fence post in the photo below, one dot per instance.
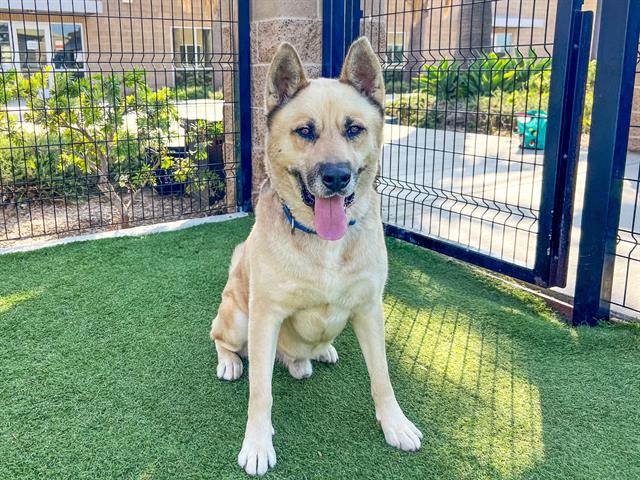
(244, 107)
(340, 27)
(566, 102)
(613, 96)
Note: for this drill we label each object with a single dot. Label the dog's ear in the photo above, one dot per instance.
(286, 76)
(362, 70)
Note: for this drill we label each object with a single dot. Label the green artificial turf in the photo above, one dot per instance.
(106, 371)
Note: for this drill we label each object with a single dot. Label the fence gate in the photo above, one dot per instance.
(115, 113)
(483, 121)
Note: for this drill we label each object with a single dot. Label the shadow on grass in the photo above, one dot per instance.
(509, 391)
(108, 372)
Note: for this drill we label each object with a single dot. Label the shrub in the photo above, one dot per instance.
(198, 92)
(31, 167)
(451, 79)
(81, 128)
(394, 82)
(437, 101)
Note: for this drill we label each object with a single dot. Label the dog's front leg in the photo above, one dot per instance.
(399, 432)
(257, 453)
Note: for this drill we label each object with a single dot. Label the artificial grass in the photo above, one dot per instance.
(107, 371)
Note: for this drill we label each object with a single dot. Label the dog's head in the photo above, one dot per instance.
(324, 136)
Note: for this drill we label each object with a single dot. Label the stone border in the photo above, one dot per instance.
(129, 232)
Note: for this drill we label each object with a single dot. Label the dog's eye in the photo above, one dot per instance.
(305, 132)
(354, 130)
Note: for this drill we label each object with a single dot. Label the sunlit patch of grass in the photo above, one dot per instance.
(9, 301)
(482, 400)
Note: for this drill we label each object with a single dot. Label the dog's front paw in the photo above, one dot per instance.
(330, 355)
(399, 431)
(257, 454)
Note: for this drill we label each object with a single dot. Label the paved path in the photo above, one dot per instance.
(483, 192)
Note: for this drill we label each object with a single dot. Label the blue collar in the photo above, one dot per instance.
(291, 220)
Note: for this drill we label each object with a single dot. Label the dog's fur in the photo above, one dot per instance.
(290, 293)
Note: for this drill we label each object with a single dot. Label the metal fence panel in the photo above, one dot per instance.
(116, 113)
(473, 163)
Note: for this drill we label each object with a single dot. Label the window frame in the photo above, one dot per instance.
(12, 64)
(506, 47)
(14, 26)
(44, 26)
(196, 65)
(392, 62)
(80, 53)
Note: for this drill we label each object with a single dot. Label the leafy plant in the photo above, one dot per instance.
(104, 125)
(486, 99)
(457, 79)
(198, 92)
(199, 136)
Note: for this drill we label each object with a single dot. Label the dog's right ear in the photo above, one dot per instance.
(286, 76)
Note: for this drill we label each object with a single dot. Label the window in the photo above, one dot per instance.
(395, 47)
(66, 42)
(192, 47)
(31, 42)
(503, 42)
(6, 54)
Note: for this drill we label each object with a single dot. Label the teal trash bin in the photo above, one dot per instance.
(532, 128)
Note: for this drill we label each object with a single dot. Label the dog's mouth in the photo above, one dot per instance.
(309, 198)
(329, 213)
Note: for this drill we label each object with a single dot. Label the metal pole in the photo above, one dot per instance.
(613, 95)
(244, 105)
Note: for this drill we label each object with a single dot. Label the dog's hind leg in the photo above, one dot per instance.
(229, 332)
(230, 337)
(230, 328)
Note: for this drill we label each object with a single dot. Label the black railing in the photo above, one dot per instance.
(116, 113)
(487, 104)
(608, 276)
(484, 113)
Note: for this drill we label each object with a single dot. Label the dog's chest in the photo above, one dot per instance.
(324, 305)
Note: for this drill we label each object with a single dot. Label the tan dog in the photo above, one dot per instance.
(316, 256)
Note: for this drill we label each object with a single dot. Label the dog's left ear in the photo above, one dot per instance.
(362, 70)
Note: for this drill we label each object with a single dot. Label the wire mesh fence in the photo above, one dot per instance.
(625, 294)
(467, 86)
(115, 113)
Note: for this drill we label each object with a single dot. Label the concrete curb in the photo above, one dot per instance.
(129, 232)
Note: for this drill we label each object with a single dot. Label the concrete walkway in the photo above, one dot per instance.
(483, 192)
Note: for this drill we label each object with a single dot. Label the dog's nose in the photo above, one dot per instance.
(335, 176)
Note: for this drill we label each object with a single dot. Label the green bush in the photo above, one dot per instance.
(446, 98)
(394, 82)
(89, 133)
(31, 167)
(198, 92)
(451, 79)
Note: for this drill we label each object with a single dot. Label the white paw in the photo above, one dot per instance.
(400, 432)
(257, 454)
(330, 355)
(229, 367)
(300, 369)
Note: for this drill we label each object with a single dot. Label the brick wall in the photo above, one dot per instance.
(441, 23)
(139, 34)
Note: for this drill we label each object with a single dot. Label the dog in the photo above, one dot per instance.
(316, 257)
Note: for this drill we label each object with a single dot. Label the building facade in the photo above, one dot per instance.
(173, 40)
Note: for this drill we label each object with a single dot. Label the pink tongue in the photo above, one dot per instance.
(330, 217)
